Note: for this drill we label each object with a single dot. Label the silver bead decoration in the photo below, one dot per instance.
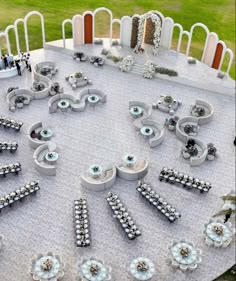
(173, 177)
(157, 201)
(81, 223)
(9, 123)
(10, 169)
(123, 216)
(8, 146)
(18, 195)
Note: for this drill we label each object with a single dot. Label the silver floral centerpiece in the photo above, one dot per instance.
(47, 268)
(184, 255)
(142, 268)
(217, 233)
(93, 270)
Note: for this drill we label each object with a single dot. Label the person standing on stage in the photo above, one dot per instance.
(18, 67)
(28, 63)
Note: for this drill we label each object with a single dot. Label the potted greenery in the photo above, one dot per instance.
(168, 100)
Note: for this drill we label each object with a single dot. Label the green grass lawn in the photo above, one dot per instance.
(218, 15)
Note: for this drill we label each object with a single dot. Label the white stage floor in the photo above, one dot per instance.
(103, 135)
(198, 75)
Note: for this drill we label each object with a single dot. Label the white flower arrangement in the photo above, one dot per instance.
(126, 64)
(149, 70)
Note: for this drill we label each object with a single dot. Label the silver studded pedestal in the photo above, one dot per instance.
(19, 194)
(121, 213)
(188, 182)
(81, 223)
(8, 146)
(9, 123)
(10, 169)
(158, 202)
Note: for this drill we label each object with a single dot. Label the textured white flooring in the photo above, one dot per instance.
(103, 135)
(200, 72)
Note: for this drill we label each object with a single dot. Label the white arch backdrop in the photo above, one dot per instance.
(125, 34)
(15, 28)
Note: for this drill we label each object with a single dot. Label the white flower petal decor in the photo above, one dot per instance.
(142, 268)
(47, 268)
(218, 234)
(93, 270)
(184, 255)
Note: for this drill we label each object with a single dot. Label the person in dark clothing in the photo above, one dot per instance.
(28, 62)
(18, 68)
(228, 215)
(5, 61)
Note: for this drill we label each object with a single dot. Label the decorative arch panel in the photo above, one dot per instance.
(88, 29)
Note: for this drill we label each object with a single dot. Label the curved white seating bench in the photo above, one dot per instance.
(202, 153)
(45, 159)
(180, 125)
(46, 68)
(46, 81)
(100, 183)
(157, 132)
(134, 171)
(86, 93)
(13, 96)
(62, 102)
(208, 111)
(140, 111)
(39, 130)
(89, 96)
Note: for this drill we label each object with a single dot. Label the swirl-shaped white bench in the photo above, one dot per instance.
(48, 64)
(146, 111)
(202, 153)
(100, 183)
(180, 124)
(35, 142)
(208, 116)
(136, 172)
(159, 132)
(46, 81)
(39, 157)
(12, 96)
(53, 103)
(84, 94)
